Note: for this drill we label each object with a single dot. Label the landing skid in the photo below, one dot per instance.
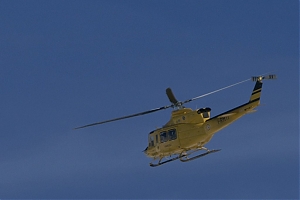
(183, 157)
(161, 163)
(186, 159)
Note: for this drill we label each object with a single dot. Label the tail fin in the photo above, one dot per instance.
(256, 91)
(258, 86)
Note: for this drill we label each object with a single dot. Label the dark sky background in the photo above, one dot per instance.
(64, 64)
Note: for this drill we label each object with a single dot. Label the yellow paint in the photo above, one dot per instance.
(195, 129)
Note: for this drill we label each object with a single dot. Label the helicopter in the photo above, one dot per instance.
(189, 130)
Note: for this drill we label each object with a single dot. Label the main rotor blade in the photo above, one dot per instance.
(125, 117)
(215, 91)
(171, 96)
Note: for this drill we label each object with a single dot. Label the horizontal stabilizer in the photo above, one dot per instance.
(251, 111)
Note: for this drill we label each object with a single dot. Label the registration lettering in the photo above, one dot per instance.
(222, 119)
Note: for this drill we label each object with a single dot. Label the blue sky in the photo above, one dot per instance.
(69, 63)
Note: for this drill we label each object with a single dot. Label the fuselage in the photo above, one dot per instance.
(191, 129)
(184, 131)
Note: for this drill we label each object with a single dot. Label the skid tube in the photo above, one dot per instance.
(199, 156)
(161, 163)
(182, 155)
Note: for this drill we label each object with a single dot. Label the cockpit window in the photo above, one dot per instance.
(151, 141)
(172, 134)
(163, 137)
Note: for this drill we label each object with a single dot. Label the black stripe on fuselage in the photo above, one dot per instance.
(229, 111)
(256, 92)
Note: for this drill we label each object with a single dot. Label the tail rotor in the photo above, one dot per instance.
(260, 78)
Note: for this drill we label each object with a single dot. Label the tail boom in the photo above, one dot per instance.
(224, 119)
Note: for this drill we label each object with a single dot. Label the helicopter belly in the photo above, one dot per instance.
(194, 138)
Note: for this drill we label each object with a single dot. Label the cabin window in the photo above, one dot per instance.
(168, 135)
(172, 134)
(163, 137)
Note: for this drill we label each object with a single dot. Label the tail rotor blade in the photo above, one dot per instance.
(260, 78)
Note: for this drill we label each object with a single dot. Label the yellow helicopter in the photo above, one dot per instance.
(189, 130)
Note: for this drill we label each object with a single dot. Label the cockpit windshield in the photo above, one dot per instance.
(151, 141)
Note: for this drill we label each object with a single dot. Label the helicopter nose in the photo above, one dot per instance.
(145, 151)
